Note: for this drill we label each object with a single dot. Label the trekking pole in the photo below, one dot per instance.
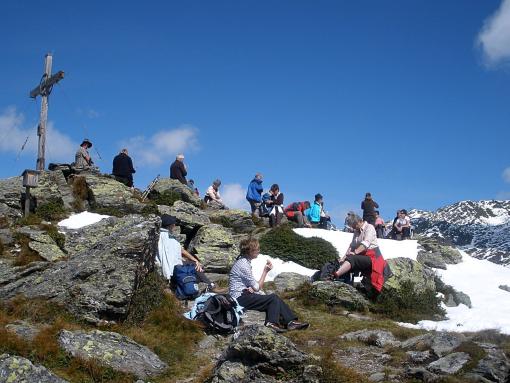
(147, 191)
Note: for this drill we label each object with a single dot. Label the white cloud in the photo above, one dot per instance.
(506, 175)
(13, 133)
(234, 196)
(494, 38)
(162, 146)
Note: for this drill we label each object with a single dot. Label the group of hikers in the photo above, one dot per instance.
(184, 270)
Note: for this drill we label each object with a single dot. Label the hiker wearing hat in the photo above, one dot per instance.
(316, 215)
(171, 253)
(212, 196)
(82, 158)
(178, 170)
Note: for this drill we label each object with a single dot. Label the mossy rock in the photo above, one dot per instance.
(282, 242)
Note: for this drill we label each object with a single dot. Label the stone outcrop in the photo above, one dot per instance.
(189, 216)
(113, 350)
(379, 338)
(289, 281)
(405, 269)
(239, 221)
(450, 364)
(104, 269)
(432, 250)
(42, 243)
(216, 248)
(495, 366)
(441, 343)
(185, 193)
(258, 354)
(17, 369)
(24, 330)
(339, 293)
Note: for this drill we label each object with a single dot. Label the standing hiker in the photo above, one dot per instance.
(123, 168)
(368, 205)
(178, 170)
(254, 194)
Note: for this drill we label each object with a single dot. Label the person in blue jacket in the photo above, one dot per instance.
(254, 193)
(316, 214)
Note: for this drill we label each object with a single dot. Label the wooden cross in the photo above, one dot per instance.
(44, 89)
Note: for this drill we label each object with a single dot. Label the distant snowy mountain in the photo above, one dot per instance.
(481, 228)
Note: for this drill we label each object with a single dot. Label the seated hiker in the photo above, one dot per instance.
(82, 159)
(254, 193)
(316, 214)
(191, 185)
(245, 288)
(379, 225)
(363, 255)
(347, 228)
(171, 253)
(296, 212)
(265, 205)
(179, 170)
(368, 205)
(401, 226)
(212, 196)
(276, 204)
(123, 168)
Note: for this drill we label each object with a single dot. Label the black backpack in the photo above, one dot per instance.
(218, 313)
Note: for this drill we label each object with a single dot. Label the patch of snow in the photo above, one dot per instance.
(77, 221)
(279, 267)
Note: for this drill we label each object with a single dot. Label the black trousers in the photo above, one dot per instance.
(360, 263)
(276, 309)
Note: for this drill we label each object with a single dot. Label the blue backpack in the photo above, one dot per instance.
(185, 277)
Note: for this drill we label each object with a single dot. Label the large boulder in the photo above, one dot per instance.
(405, 269)
(52, 186)
(258, 354)
(108, 194)
(441, 343)
(104, 270)
(170, 185)
(289, 281)
(11, 190)
(216, 248)
(450, 364)
(113, 350)
(189, 216)
(17, 369)
(338, 293)
(240, 221)
(433, 249)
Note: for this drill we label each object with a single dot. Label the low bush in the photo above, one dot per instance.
(58, 237)
(408, 304)
(283, 243)
(80, 192)
(149, 209)
(26, 255)
(168, 198)
(30, 220)
(112, 211)
(51, 211)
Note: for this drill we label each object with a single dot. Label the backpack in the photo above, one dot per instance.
(218, 313)
(185, 278)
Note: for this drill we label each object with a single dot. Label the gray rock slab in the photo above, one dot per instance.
(24, 330)
(449, 364)
(289, 281)
(338, 293)
(167, 184)
(495, 366)
(372, 358)
(14, 369)
(441, 343)
(379, 338)
(114, 350)
(188, 215)
(240, 221)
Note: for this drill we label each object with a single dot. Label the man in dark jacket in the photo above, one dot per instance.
(178, 170)
(368, 205)
(123, 168)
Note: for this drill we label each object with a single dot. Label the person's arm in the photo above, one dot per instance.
(376, 205)
(362, 205)
(267, 268)
(131, 165)
(183, 169)
(279, 200)
(198, 266)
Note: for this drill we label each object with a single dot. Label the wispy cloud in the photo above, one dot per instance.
(162, 146)
(506, 175)
(14, 132)
(494, 37)
(234, 196)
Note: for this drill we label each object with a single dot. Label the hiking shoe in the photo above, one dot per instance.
(275, 327)
(295, 325)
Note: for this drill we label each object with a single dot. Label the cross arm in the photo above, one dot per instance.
(46, 85)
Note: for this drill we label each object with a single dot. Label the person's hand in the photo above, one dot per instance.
(268, 266)
(198, 266)
(342, 259)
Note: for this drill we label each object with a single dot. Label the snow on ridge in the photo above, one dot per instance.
(77, 221)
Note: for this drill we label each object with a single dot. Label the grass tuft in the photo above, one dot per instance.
(168, 198)
(26, 255)
(53, 233)
(51, 211)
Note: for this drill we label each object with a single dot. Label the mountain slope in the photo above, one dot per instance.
(481, 228)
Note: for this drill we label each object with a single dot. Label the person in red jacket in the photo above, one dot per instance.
(296, 212)
(363, 255)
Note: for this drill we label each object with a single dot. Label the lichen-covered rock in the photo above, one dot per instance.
(405, 269)
(24, 330)
(450, 364)
(339, 293)
(379, 338)
(189, 216)
(168, 184)
(240, 221)
(441, 343)
(11, 190)
(289, 281)
(435, 248)
(367, 360)
(495, 366)
(216, 248)
(109, 194)
(114, 350)
(14, 369)
(454, 298)
(258, 354)
(433, 260)
(105, 268)
(42, 243)
(418, 356)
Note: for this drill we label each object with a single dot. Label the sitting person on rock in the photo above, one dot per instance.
(401, 226)
(316, 214)
(276, 204)
(82, 159)
(363, 255)
(193, 188)
(212, 196)
(379, 225)
(296, 212)
(245, 288)
(171, 253)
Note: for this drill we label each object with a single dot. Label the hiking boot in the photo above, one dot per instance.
(275, 327)
(295, 325)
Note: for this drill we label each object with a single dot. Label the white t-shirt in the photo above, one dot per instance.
(169, 253)
(403, 221)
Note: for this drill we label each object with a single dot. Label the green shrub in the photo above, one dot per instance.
(30, 220)
(58, 237)
(108, 211)
(51, 211)
(147, 298)
(409, 304)
(168, 197)
(80, 192)
(283, 243)
(150, 208)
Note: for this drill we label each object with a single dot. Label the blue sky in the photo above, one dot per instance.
(406, 99)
